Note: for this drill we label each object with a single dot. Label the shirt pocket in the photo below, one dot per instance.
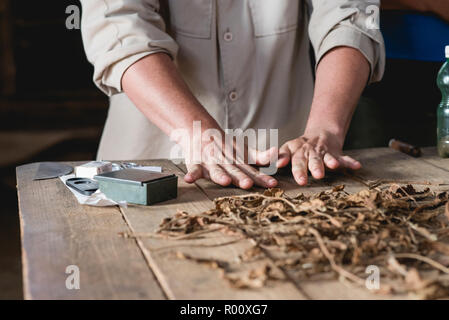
(271, 17)
(191, 18)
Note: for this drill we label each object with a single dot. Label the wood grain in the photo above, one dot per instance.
(313, 289)
(58, 232)
(186, 279)
(430, 156)
(389, 164)
(381, 164)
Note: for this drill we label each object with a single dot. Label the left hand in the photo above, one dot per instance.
(315, 151)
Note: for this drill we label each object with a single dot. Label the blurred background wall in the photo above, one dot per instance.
(50, 110)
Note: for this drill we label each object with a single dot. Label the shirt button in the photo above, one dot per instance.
(233, 96)
(228, 36)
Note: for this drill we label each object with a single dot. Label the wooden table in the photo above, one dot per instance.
(58, 232)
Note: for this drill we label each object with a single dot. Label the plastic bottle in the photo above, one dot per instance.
(443, 109)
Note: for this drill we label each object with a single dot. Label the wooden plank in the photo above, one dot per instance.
(186, 279)
(58, 232)
(378, 164)
(313, 289)
(430, 155)
(390, 165)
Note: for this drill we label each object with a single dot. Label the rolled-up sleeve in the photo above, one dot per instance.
(117, 33)
(348, 23)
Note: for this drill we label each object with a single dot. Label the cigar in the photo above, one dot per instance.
(405, 148)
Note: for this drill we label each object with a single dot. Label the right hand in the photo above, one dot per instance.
(236, 170)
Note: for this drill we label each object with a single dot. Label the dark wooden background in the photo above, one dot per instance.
(49, 108)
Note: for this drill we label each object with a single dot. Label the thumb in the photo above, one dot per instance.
(264, 158)
(194, 172)
(284, 156)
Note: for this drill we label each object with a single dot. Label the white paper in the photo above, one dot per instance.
(92, 168)
(97, 199)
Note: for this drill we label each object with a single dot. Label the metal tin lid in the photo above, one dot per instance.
(132, 176)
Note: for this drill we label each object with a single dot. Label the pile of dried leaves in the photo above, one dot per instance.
(400, 230)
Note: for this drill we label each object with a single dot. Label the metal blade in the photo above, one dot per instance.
(50, 170)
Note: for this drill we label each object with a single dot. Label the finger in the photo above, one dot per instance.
(239, 178)
(316, 165)
(348, 162)
(330, 161)
(258, 177)
(284, 156)
(218, 175)
(194, 173)
(263, 158)
(206, 174)
(299, 167)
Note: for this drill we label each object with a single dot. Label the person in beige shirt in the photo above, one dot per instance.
(233, 64)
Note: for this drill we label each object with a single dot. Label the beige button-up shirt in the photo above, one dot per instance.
(247, 61)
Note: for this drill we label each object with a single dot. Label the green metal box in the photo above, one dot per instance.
(138, 186)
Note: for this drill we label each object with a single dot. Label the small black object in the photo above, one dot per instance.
(83, 185)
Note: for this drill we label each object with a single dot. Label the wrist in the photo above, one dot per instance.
(322, 120)
(196, 132)
(327, 130)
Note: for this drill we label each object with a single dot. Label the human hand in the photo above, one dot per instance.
(225, 165)
(314, 151)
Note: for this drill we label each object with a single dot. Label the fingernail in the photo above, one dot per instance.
(355, 163)
(246, 183)
(272, 182)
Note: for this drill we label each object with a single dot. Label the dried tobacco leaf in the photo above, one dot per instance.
(335, 231)
(446, 210)
(253, 279)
